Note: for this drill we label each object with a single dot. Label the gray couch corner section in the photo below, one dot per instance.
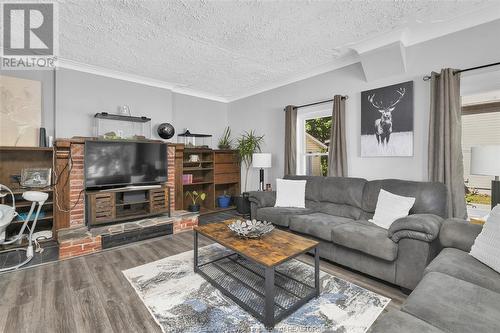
(337, 212)
(458, 293)
(459, 234)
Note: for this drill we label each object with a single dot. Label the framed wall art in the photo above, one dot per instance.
(387, 121)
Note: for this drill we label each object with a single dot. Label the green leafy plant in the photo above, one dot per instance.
(225, 140)
(248, 144)
(474, 197)
(195, 196)
(319, 128)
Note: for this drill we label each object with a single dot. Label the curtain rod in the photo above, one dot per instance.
(320, 102)
(428, 77)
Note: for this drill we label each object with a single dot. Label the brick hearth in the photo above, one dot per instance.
(73, 235)
(78, 241)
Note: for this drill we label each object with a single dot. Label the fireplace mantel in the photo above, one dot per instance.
(70, 191)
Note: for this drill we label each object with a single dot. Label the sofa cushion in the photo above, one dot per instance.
(391, 207)
(454, 305)
(486, 246)
(313, 185)
(290, 193)
(399, 322)
(339, 190)
(331, 208)
(463, 266)
(430, 198)
(459, 234)
(342, 190)
(280, 215)
(318, 225)
(366, 237)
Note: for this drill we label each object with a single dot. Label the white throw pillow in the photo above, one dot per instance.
(290, 193)
(486, 247)
(391, 207)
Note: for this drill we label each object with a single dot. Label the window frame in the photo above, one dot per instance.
(304, 114)
(478, 109)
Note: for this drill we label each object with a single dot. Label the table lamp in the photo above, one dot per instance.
(485, 161)
(262, 161)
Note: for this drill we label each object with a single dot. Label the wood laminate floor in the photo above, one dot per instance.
(90, 293)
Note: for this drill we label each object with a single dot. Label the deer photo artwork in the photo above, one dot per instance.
(387, 121)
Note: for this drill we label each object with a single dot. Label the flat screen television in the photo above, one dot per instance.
(120, 163)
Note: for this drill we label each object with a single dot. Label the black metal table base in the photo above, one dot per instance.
(267, 293)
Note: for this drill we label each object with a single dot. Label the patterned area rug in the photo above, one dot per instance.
(182, 301)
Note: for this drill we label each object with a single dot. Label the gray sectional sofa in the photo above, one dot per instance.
(457, 294)
(337, 212)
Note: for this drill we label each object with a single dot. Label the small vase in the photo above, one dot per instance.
(194, 208)
(223, 201)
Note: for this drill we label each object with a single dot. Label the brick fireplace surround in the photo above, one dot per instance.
(73, 235)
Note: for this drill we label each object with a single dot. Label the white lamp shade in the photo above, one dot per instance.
(485, 160)
(261, 160)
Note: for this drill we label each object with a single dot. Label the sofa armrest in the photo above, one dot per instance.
(459, 234)
(262, 198)
(424, 227)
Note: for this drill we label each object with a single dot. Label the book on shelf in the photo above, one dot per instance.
(187, 178)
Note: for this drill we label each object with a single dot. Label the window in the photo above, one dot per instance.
(313, 138)
(480, 126)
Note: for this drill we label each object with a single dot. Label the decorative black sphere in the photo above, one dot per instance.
(166, 131)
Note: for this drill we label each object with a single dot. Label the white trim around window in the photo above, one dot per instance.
(304, 114)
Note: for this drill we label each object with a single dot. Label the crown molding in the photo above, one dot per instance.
(101, 71)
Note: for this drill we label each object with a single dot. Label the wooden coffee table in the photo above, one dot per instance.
(249, 272)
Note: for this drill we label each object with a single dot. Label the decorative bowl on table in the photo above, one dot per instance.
(251, 228)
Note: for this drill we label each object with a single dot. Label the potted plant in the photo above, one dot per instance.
(224, 200)
(225, 140)
(195, 197)
(247, 144)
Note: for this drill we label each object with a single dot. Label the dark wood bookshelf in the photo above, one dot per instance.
(13, 160)
(219, 171)
(197, 169)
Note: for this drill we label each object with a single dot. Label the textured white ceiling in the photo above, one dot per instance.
(230, 48)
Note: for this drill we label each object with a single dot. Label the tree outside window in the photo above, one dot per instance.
(317, 140)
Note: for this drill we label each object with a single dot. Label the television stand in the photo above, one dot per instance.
(126, 203)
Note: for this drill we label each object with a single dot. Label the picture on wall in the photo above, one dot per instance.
(387, 121)
(20, 111)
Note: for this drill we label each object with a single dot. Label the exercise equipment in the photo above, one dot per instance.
(7, 215)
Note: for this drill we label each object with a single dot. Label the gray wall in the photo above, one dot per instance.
(46, 77)
(264, 112)
(199, 116)
(70, 99)
(80, 95)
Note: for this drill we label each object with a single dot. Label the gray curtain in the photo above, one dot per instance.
(445, 163)
(290, 140)
(337, 154)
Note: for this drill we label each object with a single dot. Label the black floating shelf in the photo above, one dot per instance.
(105, 115)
